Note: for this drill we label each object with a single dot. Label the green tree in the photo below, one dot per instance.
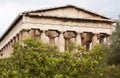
(114, 51)
(37, 60)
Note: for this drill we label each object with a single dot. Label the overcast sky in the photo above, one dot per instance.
(9, 9)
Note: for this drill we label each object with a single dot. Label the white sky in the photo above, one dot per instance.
(9, 9)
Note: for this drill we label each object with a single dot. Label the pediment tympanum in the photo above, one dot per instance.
(68, 11)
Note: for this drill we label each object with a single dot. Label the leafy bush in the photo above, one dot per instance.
(37, 60)
(114, 50)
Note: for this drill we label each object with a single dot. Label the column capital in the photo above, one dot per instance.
(79, 32)
(43, 36)
(43, 30)
(95, 33)
(61, 31)
(69, 34)
(52, 33)
(94, 39)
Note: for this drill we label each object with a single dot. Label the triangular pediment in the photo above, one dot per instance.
(68, 11)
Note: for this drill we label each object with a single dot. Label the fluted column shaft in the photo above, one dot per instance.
(25, 33)
(8, 49)
(44, 37)
(11, 47)
(4, 51)
(67, 41)
(1, 52)
(57, 42)
(78, 39)
(32, 32)
(61, 42)
(20, 37)
(94, 39)
(17, 37)
(37, 33)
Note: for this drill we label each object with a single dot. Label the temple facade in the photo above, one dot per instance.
(58, 26)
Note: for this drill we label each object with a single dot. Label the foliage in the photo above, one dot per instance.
(114, 51)
(71, 46)
(37, 60)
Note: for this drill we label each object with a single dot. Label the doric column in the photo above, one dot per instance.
(101, 40)
(88, 45)
(4, 51)
(87, 38)
(20, 37)
(37, 33)
(52, 34)
(78, 39)
(1, 52)
(51, 41)
(44, 38)
(69, 35)
(101, 37)
(17, 37)
(94, 39)
(61, 42)
(56, 41)
(32, 33)
(7, 51)
(108, 41)
(25, 33)
(11, 46)
(67, 41)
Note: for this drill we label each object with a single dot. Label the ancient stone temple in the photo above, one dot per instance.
(58, 26)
